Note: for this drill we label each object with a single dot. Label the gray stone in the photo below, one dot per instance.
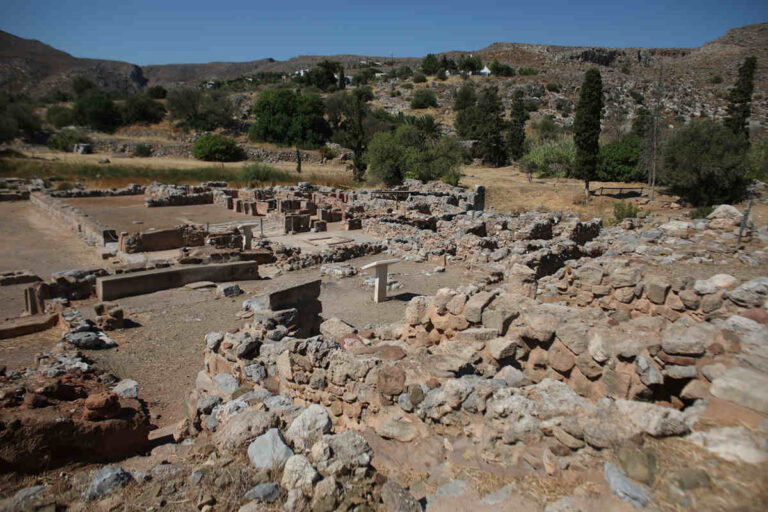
(325, 495)
(625, 277)
(255, 372)
(397, 499)
(335, 328)
(680, 372)
(473, 310)
(228, 290)
(712, 371)
(682, 339)
(649, 374)
(267, 492)
(656, 288)
(742, 386)
(574, 335)
(502, 348)
(243, 428)
(653, 419)
(512, 376)
(205, 404)
(752, 294)
(298, 473)
(225, 383)
(308, 427)
(268, 452)
(213, 340)
(107, 480)
(736, 444)
(415, 310)
(127, 388)
(638, 495)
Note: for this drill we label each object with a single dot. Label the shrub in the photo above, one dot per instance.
(705, 163)
(452, 178)
(527, 72)
(419, 78)
(407, 86)
(142, 109)
(716, 79)
(554, 87)
(142, 150)
(626, 68)
(499, 69)
(60, 116)
(64, 185)
(465, 97)
(98, 111)
(423, 98)
(624, 210)
(702, 212)
(551, 158)
(261, 174)
(157, 92)
(66, 139)
(618, 160)
(395, 93)
(637, 96)
(547, 128)
(198, 110)
(328, 152)
(218, 148)
(430, 64)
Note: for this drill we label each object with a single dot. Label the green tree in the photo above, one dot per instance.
(184, 104)
(356, 127)
(218, 148)
(619, 160)
(465, 97)
(423, 98)
(499, 69)
(705, 163)
(740, 106)
(283, 117)
(429, 64)
(298, 161)
(16, 118)
(342, 78)
(470, 64)
(586, 128)
(484, 121)
(141, 109)
(98, 111)
(157, 92)
(82, 86)
(516, 133)
(60, 116)
(419, 78)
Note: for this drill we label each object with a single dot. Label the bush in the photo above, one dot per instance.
(218, 148)
(551, 158)
(260, 174)
(98, 111)
(554, 87)
(423, 98)
(624, 210)
(60, 116)
(142, 150)
(637, 96)
(142, 109)
(64, 185)
(407, 86)
(198, 110)
(157, 92)
(705, 163)
(547, 128)
(66, 139)
(618, 160)
(419, 78)
(452, 178)
(328, 153)
(499, 69)
(702, 212)
(716, 79)
(527, 72)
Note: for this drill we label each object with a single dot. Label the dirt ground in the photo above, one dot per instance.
(163, 351)
(121, 213)
(35, 241)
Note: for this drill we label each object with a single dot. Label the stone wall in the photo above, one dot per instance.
(162, 239)
(87, 228)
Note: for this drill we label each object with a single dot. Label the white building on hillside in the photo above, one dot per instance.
(485, 71)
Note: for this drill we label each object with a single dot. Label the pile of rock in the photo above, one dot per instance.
(62, 412)
(177, 195)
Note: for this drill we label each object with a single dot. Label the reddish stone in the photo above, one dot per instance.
(678, 360)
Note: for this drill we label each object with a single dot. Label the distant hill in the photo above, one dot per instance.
(35, 68)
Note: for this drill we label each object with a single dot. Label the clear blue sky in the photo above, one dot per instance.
(175, 31)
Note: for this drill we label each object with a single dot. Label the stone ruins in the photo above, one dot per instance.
(571, 366)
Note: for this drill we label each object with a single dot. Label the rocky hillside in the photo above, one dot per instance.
(695, 80)
(32, 67)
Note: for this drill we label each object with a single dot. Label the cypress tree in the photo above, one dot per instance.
(740, 107)
(586, 128)
(516, 134)
(342, 79)
(298, 161)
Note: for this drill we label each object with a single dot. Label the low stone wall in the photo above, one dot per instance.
(148, 281)
(630, 291)
(87, 228)
(162, 239)
(129, 190)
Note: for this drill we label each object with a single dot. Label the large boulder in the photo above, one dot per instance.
(752, 294)
(268, 452)
(743, 386)
(308, 427)
(243, 428)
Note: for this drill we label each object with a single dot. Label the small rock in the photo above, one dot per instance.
(107, 480)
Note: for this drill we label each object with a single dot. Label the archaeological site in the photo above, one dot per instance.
(526, 278)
